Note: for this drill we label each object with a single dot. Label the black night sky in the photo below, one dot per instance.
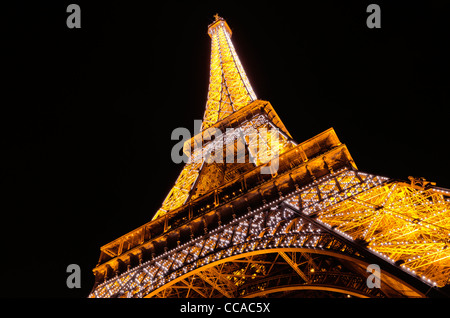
(87, 114)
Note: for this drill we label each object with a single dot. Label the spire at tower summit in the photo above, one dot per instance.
(229, 88)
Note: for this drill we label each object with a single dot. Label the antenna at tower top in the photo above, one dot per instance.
(218, 22)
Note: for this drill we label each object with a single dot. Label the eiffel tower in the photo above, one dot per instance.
(311, 227)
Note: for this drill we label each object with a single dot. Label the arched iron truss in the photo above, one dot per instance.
(271, 249)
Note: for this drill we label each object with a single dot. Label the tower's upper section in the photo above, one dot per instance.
(229, 88)
(219, 22)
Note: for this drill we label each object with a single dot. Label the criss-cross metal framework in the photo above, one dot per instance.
(309, 228)
(229, 88)
(229, 91)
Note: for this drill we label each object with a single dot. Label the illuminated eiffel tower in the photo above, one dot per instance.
(308, 226)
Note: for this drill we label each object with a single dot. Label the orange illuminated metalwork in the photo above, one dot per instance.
(229, 88)
(229, 91)
(310, 228)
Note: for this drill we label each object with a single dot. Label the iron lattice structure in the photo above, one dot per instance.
(309, 228)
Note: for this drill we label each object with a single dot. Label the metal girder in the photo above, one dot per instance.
(400, 224)
(294, 266)
(214, 278)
